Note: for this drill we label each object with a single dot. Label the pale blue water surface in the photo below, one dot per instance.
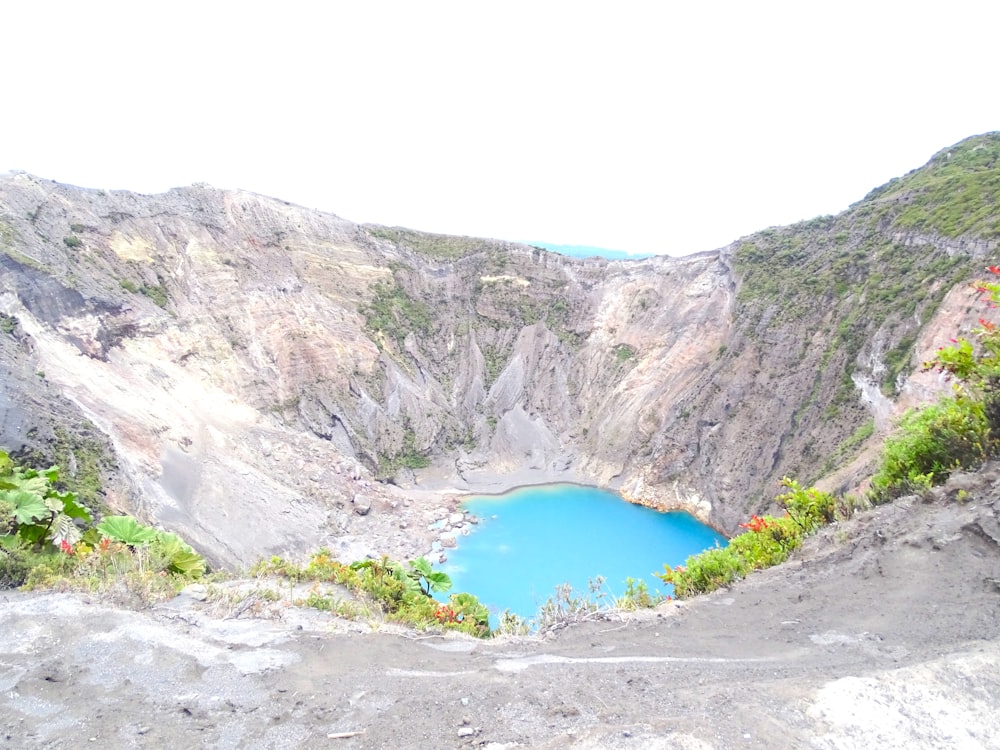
(533, 539)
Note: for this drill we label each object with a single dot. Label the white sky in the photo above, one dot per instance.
(643, 126)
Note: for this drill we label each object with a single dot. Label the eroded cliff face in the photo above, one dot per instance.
(258, 367)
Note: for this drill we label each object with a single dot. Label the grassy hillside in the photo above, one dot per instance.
(956, 194)
(826, 304)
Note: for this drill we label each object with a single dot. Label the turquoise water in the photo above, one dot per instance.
(535, 538)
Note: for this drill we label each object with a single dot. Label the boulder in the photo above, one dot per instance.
(362, 504)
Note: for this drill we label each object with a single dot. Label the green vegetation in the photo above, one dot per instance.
(33, 510)
(394, 314)
(387, 588)
(442, 246)
(874, 285)
(157, 293)
(854, 265)
(849, 446)
(624, 352)
(896, 360)
(859, 287)
(24, 260)
(73, 241)
(85, 460)
(8, 323)
(789, 271)
(930, 443)
(959, 431)
(495, 362)
(47, 540)
(956, 193)
(6, 235)
(408, 458)
(767, 541)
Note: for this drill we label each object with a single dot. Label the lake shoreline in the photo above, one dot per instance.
(456, 489)
(545, 535)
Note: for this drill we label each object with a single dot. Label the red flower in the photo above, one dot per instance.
(986, 324)
(756, 524)
(993, 269)
(66, 547)
(445, 614)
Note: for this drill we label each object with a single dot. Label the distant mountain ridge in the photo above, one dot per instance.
(256, 374)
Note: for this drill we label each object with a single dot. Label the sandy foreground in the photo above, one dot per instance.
(883, 632)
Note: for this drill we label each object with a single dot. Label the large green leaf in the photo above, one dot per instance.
(421, 570)
(72, 508)
(127, 530)
(28, 507)
(439, 581)
(29, 482)
(188, 563)
(422, 566)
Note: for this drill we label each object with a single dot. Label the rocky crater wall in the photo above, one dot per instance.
(255, 366)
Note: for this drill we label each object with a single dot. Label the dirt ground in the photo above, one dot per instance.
(883, 632)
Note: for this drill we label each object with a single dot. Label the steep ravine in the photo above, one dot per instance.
(256, 367)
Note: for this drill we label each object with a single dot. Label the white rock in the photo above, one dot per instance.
(362, 504)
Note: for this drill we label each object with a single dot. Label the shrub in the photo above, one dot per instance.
(568, 607)
(929, 444)
(72, 241)
(809, 508)
(402, 593)
(46, 541)
(624, 352)
(637, 596)
(16, 562)
(705, 571)
(959, 431)
(768, 541)
(157, 293)
(33, 509)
